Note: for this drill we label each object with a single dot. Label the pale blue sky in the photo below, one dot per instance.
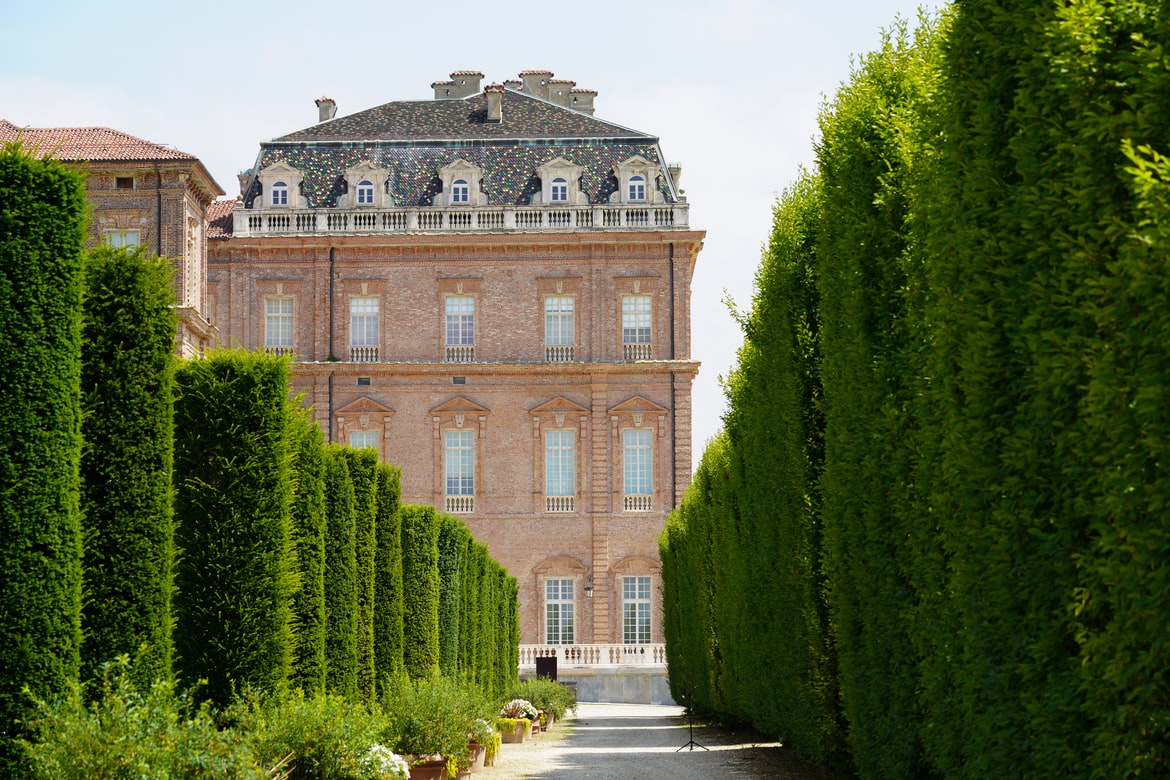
(732, 88)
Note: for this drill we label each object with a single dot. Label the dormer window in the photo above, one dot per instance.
(560, 191)
(460, 191)
(637, 188)
(280, 193)
(365, 193)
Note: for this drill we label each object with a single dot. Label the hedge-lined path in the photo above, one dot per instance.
(631, 742)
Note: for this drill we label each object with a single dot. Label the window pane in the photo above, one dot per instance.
(363, 322)
(635, 610)
(636, 462)
(360, 439)
(558, 611)
(460, 463)
(460, 320)
(635, 319)
(278, 322)
(558, 320)
(558, 463)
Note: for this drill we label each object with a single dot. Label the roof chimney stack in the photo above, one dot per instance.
(582, 99)
(326, 109)
(466, 83)
(536, 82)
(495, 102)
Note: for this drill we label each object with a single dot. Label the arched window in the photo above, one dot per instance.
(637, 188)
(560, 191)
(279, 194)
(365, 193)
(460, 192)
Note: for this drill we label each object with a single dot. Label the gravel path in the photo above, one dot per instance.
(631, 742)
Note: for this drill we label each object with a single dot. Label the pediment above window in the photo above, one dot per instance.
(638, 404)
(458, 405)
(366, 186)
(559, 405)
(560, 184)
(637, 564)
(280, 187)
(364, 405)
(560, 564)
(461, 185)
(637, 181)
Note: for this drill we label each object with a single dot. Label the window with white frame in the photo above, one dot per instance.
(363, 329)
(559, 470)
(365, 193)
(637, 188)
(460, 328)
(559, 328)
(636, 610)
(460, 191)
(278, 324)
(558, 611)
(636, 327)
(459, 469)
(279, 194)
(559, 191)
(360, 439)
(123, 238)
(637, 468)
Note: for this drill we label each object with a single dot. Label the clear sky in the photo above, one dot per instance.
(732, 87)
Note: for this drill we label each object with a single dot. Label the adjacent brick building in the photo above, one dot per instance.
(141, 193)
(493, 289)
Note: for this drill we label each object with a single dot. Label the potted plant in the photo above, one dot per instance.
(515, 720)
(428, 723)
(381, 763)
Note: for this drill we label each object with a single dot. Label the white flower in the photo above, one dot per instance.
(381, 763)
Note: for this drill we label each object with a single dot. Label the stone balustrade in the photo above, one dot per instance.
(595, 655)
(458, 219)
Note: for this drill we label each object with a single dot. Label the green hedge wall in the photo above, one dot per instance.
(42, 224)
(235, 575)
(420, 583)
(363, 472)
(341, 594)
(309, 522)
(388, 593)
(453, 540)
(127, 379)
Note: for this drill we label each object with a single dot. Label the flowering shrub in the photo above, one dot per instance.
(381, 763)
(519, 708)
(481, 732)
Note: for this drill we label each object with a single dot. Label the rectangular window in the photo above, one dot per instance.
(637, 467)
(558, 463)
(278, 323)
(120, 238)
(360, 439)
(635, 610)
(460, 320)
(635, 319)
(460, 463)
(123, 182)
(558, 611)
(558, 320)
(363, 329)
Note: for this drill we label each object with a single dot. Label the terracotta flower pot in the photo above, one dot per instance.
(431, 769)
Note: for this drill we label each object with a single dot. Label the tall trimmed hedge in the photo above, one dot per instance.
(341, 594)
(388, 592)
(235, 576)
(990, 333)
(453, 540)
(308, 522)
(127, 394)
(363, 466)
(42, 225)
(420, 582)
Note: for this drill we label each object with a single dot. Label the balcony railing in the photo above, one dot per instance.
(460, 354)
(363, 354)
(558, 354)
(278, 351)
(636, 352)
(638, 503)
(558, 503)
(594, 655)
(459, 219)
(459, 505)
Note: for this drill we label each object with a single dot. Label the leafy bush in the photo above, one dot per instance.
(128, 731)
(326, 736)
(546, 695)
(432, 717)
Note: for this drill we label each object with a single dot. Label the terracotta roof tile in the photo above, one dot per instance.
(219, 218)
(76, 144)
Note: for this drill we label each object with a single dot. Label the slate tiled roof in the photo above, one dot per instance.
(219, 218)
(412, 140)
(77, 144)
(524, 117)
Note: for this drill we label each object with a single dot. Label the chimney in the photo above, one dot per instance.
(326, 109)
(495, 102)
(536, 82)
(513, 84)
(559, 91)
(675, 170)
(582, 100)
(443, 89)
(244, 178)
(465, 83)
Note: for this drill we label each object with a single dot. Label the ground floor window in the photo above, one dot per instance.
(636, 610)
(558, 611)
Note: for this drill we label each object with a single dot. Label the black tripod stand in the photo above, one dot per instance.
(691, 744)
